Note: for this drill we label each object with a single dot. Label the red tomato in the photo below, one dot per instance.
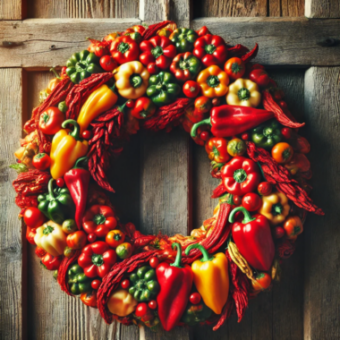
(91, 237)
(234, 68)
(50, 120)
(89, 299)
(205, 135)
(286, 132)
(141, 309)
(152, 304)
(203, 104)
(195, 298)
(154, 262)
(87, 134)
(216, 101)
(33, 217)
(252, 201)
(41, 161)
(191, 89)
(60, 182)
(125, 284)
(279, 232)
(107, 63)
(95, 284)
(245, 136)
(264, 188)
(263, 281)
(130, 104)
(152, 68)
(76, 240)
(237, 200)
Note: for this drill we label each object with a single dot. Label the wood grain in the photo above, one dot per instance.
(11, 10)
(322, 9)
(322, 275)
(11, 252)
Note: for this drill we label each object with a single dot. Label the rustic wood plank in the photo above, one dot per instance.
(292, 8)
(322, 236)
(83, 9)
(11, 252)
(11, 10)
(226, 8)
(283, 41)
(322, 9)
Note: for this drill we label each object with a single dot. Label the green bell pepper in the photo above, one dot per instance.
(144, 285)
(81, 65)
(77, 281)
(267, 135)
(195, 314)
(184, 39)
(163, 89)
(185, 66)
(57, 205)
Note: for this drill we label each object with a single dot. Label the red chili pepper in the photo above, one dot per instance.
(260, 77)
(51, 262)
(253, 239)
(143, 108)
(99, 219)
(175, 282)
(230, 120)
(97, 259)
(77, 181)
(159, 50)
(240, 176)
(211, 50)
(124, 49)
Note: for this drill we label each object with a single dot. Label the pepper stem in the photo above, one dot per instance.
(76, 130)
(79, 160)
(50, 188)
(246, 215)
(193, 132)
(206, 256)
(178, 258)
(55, 73)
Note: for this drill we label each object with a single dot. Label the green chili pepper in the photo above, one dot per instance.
(184, 39)
(81, 65)
(144, 285)
(78, 282)
(267, 135)
(195, 314)
(57, 205)
(162, 88)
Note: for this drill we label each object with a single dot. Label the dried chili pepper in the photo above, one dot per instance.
(237, 51)
(152, 29)
(250, 55)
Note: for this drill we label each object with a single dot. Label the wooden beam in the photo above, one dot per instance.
(322, 9)
(322, 236)
(12, 10)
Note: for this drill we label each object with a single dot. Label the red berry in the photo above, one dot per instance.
(125, 284)
(87, 134)
(195, 298)
(286, 132)
(60, 182)
(154, 262)
(152, 304)
(245, 136)
(205, 135)
(141, 309)
(279, 232)
(95, 284)
(91, 237)
(130, 104)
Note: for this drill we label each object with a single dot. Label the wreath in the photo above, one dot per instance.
(157, 78)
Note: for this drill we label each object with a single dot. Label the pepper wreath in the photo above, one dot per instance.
(157, 78)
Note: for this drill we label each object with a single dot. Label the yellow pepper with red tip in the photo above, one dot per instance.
(66, 149)
(213, 81)
(121, 303)
(275, 207)
(244, 92)
(211, 278)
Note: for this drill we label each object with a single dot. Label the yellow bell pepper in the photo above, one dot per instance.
(51, 238)
(213, 81)
(121, 303)
(275, 207)
(132, 79)
(98, 102)
(211, 278)
(244, 92)
(66, 149)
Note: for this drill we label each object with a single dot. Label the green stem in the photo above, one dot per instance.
(55, 73)
(206, 256)
(76, 130)
(246, 215)
(178, 259)
(50, 188)
(79, 160)
(193, 132)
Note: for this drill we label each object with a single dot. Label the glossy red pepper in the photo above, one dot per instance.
(203, 31)
(124, 49)
(211, 50)
(231, 120)
(253, 239)
(51, 262)
(99, 48)
(143, 108)
(240, 176)
(77, 181)
(50, 120)
(216, 149)
(260, 77)
(175, 282)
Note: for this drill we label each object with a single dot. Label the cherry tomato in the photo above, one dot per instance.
(279, 232)
(89, 298)
(252, 201)
(141, 309)
(41, 161)
(282, 152)
(245, 136)
(87, 134)
(205, 135)
(125, 284)
(40, 252)
(286, 132)
(263, 281)
(264, 188)
(114, 238)
(130, 104)
(152, 68)
(152, 304)
(91, 237)
(107, 63)
(154, 262)
(234, 68)
(191, 89)
(60, 182)
(237, 200)
(33, 217)
(95, 284)
(195, 298)
(216, 101)
(202, 104)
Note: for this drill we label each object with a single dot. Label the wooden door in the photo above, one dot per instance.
(163, 186)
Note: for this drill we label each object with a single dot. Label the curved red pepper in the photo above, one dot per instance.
(253, 239)
(175, 282)
(240, 176)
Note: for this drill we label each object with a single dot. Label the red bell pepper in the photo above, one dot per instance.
(97, 259)
(175, 282)
(253, 239)
(203, 31)
(51, 262)
(143, 108)
(99, 48)
(211, 50)
(77, 181)
(240, 176)
(99, 219)
(216, 149)
(159, 50)
(231, 120)
(135, 32)
(260, 77)
(124, 49)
